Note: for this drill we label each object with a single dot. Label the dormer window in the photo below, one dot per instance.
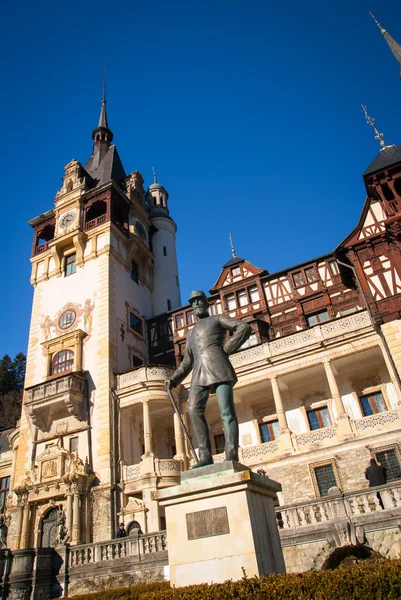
(311, 275)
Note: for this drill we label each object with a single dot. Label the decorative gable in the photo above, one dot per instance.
(235, 271)
(371, 222)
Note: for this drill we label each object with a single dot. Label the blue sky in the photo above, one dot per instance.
(250, 112)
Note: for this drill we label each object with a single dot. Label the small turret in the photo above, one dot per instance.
(166, 288)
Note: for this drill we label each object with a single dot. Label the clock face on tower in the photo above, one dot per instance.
(140, 230)
(66, 219)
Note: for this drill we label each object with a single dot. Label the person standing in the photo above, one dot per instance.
(376, 475)
(121, 531)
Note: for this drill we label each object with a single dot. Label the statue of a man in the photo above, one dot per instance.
(206, 353)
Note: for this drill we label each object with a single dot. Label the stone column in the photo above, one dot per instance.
(25, 526)
(147, 431)
(68, 518)
(76, 521)
(179, 438)
(18, 527)
(334, 391)
(391, 372)
(282, 420)
(344, 429)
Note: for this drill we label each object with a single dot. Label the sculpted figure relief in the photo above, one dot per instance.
(206, 354)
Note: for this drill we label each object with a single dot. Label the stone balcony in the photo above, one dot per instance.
(56, 399)
(316, 337)
(162, 468)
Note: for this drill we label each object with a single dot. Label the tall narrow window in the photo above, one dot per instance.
(219, 442)
(333, 266)
(230, 302)
(310, 275)
(319, 418)
(389, 460)
(70, 265)
(298, 279)
(134, 271)
(136, 323)
(136, 361)
(242, 298)
(164, 250)
(179, 321)
(254, 294)
(269, 431)
(4, 490)
(190, 317)
(325, 478)
(74, 444)
(372, 404)
(168, 304)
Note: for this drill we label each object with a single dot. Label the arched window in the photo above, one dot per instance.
(62, 361)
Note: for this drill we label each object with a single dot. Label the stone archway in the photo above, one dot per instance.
(49, 529)
(350, 554)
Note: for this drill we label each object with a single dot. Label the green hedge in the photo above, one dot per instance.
(374, 581)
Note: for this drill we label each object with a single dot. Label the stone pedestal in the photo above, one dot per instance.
(220, 524)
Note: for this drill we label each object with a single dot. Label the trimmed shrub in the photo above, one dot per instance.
(374, 581)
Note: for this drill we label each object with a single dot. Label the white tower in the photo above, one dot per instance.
(166, 289)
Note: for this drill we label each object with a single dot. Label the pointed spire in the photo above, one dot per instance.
(232, 245)
(394, 46)
(103, 114)
(154, 175)
(370, 121)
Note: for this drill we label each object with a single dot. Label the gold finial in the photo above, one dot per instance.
(154, 175)
(370, 121)
(232, 245)
(377, 23)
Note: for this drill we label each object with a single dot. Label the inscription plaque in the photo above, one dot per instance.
(207, 523)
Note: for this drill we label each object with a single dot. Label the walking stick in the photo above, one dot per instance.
(184, 428)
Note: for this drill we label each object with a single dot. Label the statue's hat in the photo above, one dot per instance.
(197, 294)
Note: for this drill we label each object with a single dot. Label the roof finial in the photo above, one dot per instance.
(154, 175)
(104, 86)
(232, 245)
(393, 45)
(103, 114)
(370, 121)
(377, 23)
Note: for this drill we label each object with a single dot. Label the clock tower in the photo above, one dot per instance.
(103, 263)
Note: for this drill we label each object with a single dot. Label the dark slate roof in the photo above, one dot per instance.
(110, 167)
(390, 155)
(234, 261)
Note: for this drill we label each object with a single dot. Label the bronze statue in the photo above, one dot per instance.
(206, 354)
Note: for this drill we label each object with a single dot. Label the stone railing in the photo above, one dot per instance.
(137, 545)
(317, 435)
(163, 467)
(306, 337)
(331, 508)
(143, 374)
(319, 333)
(376, 421)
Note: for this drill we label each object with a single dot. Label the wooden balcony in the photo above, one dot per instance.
(95, 222)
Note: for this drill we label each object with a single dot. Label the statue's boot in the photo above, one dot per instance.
(205, 458)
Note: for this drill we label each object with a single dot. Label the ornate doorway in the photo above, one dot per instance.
(49, 529)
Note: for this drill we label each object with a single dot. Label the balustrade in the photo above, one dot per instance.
(331, 508)
(110, 550)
